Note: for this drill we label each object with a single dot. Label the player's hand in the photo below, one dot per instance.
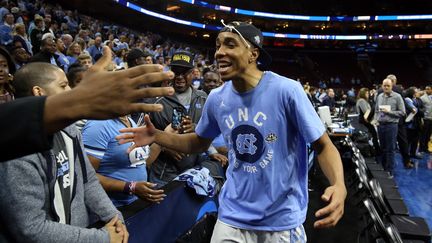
(139, 136)
(333, 212)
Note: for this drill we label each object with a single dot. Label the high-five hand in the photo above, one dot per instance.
(139, 136)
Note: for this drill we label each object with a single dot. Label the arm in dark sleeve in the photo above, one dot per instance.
(22, 124)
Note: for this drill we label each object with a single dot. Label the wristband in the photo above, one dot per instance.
(129, 187)
(132, 187)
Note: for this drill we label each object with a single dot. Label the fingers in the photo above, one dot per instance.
(329, 221)
(326, 210)
(129, 131)
(104, 61)
(141, 107)
(148, 78)
(132, 147)
(145, 69)
(147, 120)
(113, 221)
(178, 157)
(141, 70)
(150, 194)
(188, 130)
(326, 197)
(123, 141)
(327, 194)
(152, 92)
(126, 234)
(333, 212)
(186, 120)
(119, 226)
(125, 138)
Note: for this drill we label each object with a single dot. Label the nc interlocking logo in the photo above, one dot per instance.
(245, 144)
(248, 144)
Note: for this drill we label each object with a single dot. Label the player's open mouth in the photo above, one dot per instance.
(224, 66)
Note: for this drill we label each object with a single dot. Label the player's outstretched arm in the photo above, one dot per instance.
(186, 143)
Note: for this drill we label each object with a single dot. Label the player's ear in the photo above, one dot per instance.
(254, 54)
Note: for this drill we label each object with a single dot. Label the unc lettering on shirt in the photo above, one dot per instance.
(243, 115)
(61, 157)
(249, 151)
(63, 169)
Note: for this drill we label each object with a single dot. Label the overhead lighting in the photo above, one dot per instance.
(206, 35)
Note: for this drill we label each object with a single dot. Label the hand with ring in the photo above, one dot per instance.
(145, 191)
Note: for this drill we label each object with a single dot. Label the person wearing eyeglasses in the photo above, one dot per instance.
(267, 122)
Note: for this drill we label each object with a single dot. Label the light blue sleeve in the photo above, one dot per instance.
(95, 138)
(302, 114)
(208, 126)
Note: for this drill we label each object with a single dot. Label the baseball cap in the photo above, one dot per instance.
(253, 35)
(182, 59)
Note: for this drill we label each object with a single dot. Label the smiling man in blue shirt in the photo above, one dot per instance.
(266, 121)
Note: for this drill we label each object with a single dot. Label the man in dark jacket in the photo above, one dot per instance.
(47, 53)
(185, 105)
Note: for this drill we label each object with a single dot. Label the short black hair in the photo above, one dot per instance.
(33, 74)
(410, 92)
(73, 72)
(211, 69)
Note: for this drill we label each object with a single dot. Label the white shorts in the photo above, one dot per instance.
(224, 233)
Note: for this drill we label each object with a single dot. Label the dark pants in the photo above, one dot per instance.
(387, 135)
(403, 142)
(413, 139)
(425, 136)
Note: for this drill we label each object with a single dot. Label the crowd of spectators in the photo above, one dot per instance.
(45, 50)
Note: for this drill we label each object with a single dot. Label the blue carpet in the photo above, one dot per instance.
(415, 186)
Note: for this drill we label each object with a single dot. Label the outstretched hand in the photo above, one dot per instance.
(332, 213)
(138, 136)
(111, 94)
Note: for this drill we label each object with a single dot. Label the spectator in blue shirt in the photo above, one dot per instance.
(95, 49)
